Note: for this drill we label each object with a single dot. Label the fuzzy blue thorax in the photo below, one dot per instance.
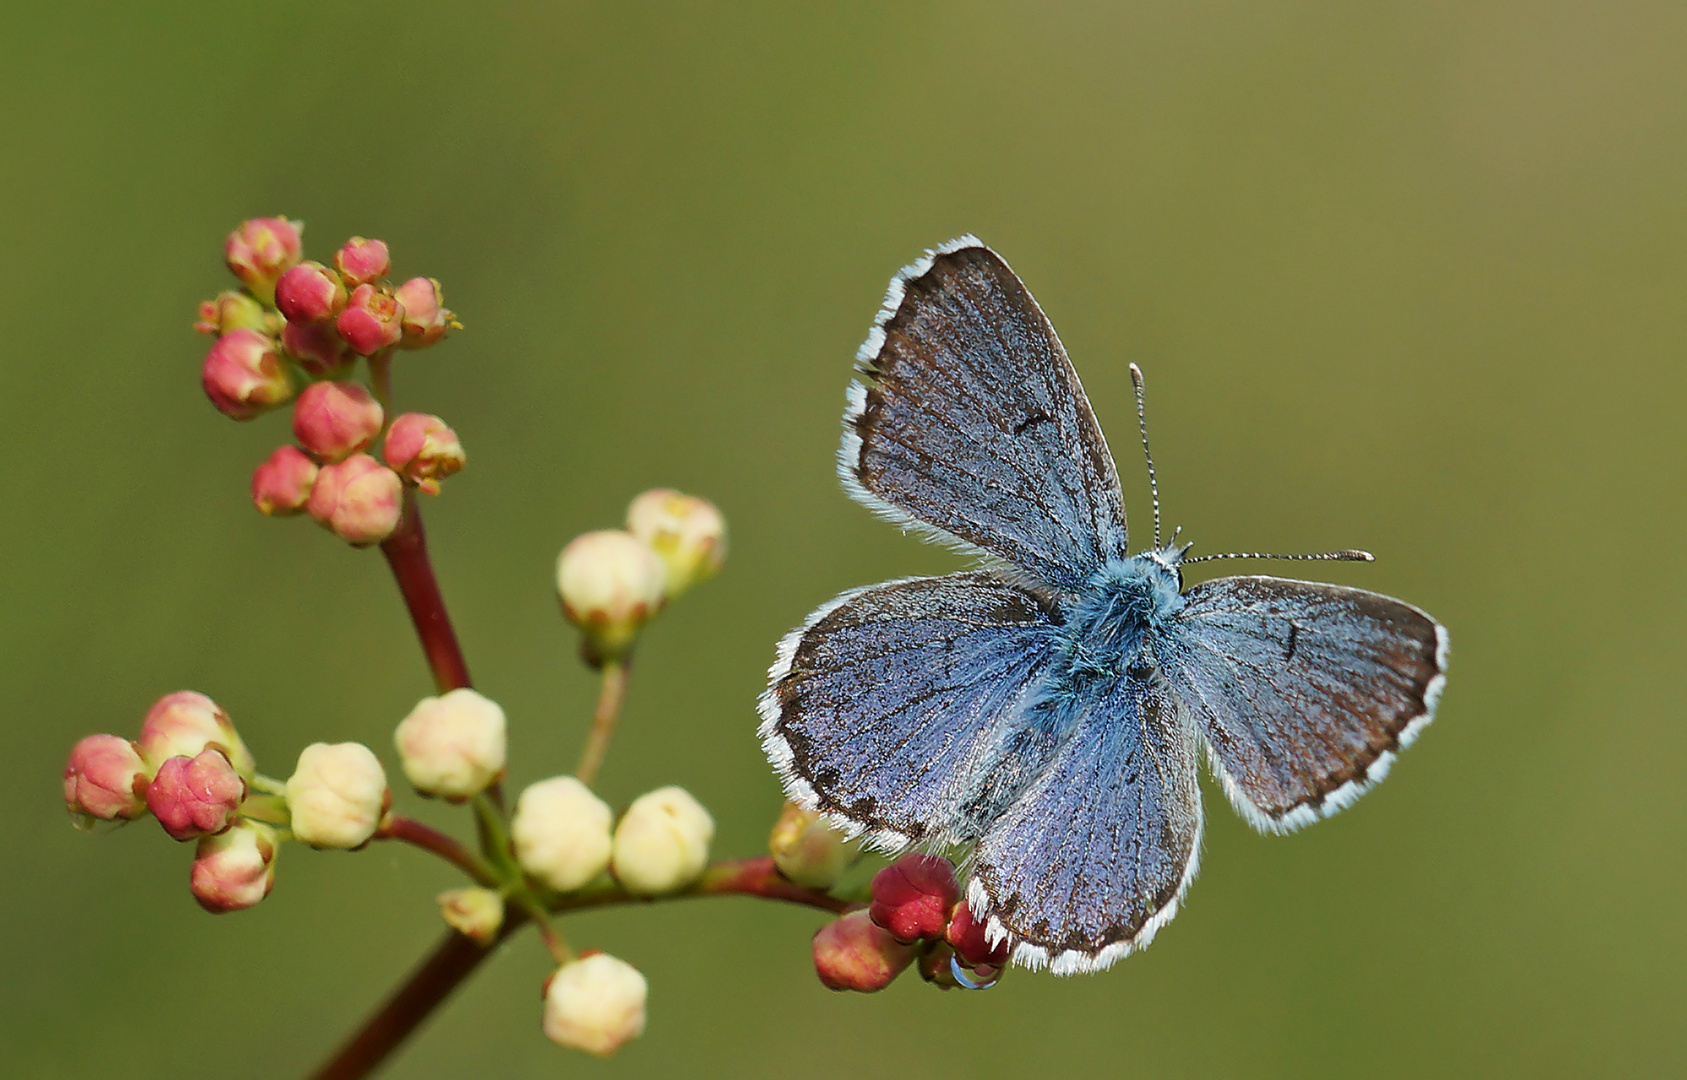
(1105, 624)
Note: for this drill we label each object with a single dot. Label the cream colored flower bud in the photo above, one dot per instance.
(337, 795)
(474, 913)
(662, 843)
(808, 852)
(452, 745)
(561, 832)
(686, 532)
(610, 584)
(595, 1004)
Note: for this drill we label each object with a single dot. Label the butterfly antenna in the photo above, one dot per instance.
(1350, 555)
(1142, 424)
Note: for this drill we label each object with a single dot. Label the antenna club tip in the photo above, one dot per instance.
(1361, 556)
(1136, 375)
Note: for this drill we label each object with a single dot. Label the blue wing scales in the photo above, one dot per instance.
(1094, 856)
(971, 421)
(1304, 692)
(890, 706)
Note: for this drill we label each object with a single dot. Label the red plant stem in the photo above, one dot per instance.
(428, 838)
(407, 553)
(456, 957)
(451, 961)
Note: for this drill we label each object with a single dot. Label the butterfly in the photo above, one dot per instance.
(1047, 709)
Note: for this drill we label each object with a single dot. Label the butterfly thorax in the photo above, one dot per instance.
(1105, 625)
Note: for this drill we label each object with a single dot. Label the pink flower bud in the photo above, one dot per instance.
(373, 320)
(426, 318)
(309, 293)
(261, 250)
(183, 724)
(191, 797)
(423, 450)
(474, 913)
(854, 953)
(231, 310)
(337, 795)
(318, 347)
(334, 420)
(595, 1004)
(234, 869)
(244, 374)
(361, 261)
(281, 485)
(912, 897)
(105, 779)
(452, 745)
(610, 584)
(971, 944)
(359, 500)
(687, 533)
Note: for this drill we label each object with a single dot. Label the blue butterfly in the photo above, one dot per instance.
(1048, 709)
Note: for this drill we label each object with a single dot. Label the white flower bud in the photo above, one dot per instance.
(595, 1004)
(662, 843)
(807, 852)
(336, 795)
(474, 913)
(686, 532)
(184, 723)
(452, 745)
(610, 583)
(561, 832)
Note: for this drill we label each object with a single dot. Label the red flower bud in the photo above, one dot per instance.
(852, 953)
(971, 945)
(193, 797)
(244, 374)
(373, 320)
(423, 450)
(912, 897)
(334, 420)
(426, 318)
(281, 485)
(261, 250)
(309, 293)
(105, 779)
(318, 347)
(361, 261)
(358, 499)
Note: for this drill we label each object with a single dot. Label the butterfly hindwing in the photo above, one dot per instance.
(1303, 692)
(1094, 856)
(882, 709)
(971, 421)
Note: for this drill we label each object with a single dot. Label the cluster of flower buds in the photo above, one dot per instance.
(190, 770)
(917, 914)
(565, 837)
(611, 582)
(295, 333)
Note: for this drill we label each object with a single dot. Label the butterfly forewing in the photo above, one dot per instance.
(1095, 855)
(1304, 692)
(972, 422)
(884, 707)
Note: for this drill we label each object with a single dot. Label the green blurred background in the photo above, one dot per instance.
(1412, 278)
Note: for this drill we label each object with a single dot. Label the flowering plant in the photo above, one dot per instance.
(324, 339)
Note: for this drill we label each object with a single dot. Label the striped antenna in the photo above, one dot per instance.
(1350, 555)
(1142, 424)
